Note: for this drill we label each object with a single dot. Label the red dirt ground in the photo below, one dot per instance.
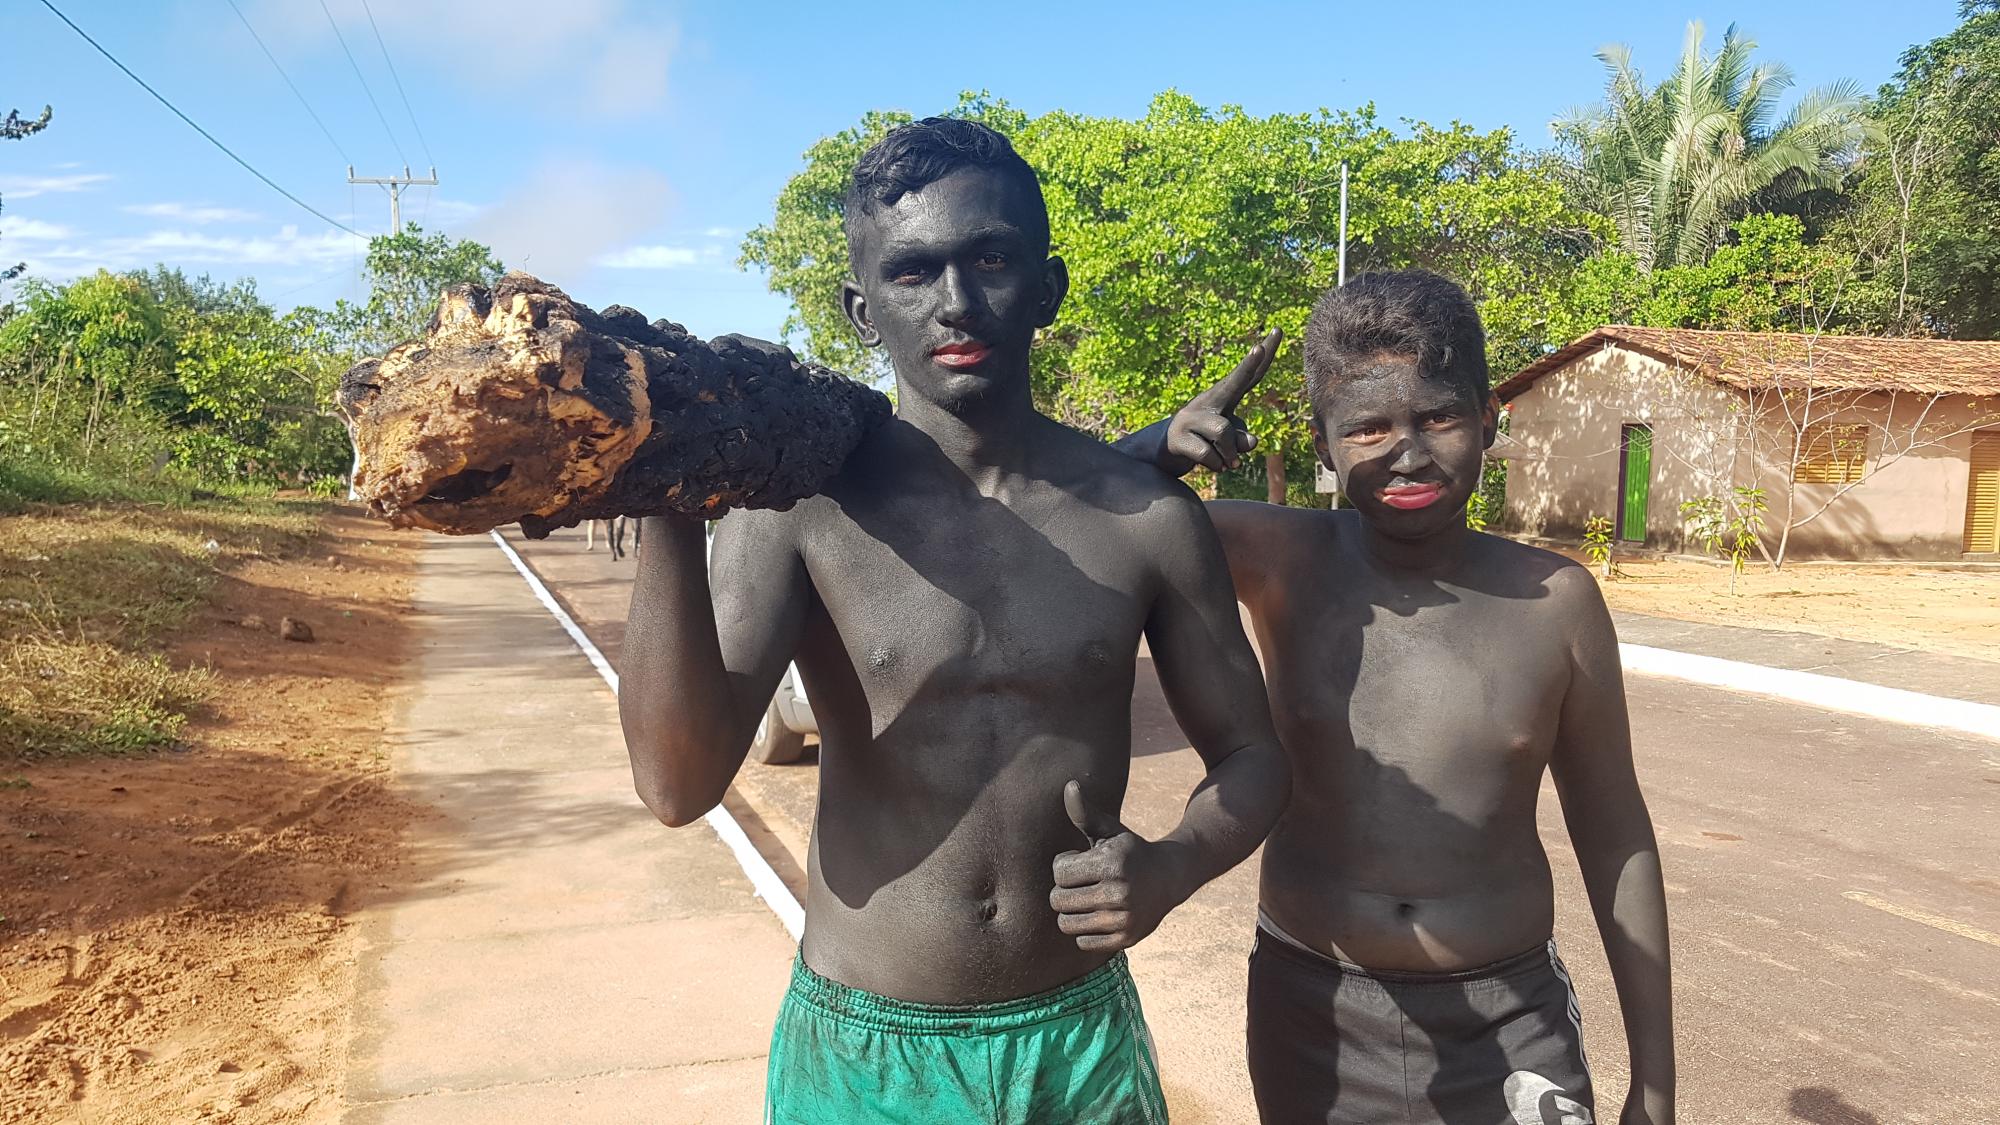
(174, 944)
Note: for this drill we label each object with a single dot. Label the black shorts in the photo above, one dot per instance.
(1336, 1044)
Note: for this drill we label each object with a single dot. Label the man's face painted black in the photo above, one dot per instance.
(953, 280)
(1409, 449)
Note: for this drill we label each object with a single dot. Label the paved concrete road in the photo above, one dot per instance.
(1834, 883)
(555, 955)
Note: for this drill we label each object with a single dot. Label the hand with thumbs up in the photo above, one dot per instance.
(1116, 892)
(1206, 431)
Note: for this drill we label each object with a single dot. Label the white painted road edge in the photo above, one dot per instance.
(1831, 693)
(763, 877)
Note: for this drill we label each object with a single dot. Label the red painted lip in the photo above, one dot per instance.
(1410, 497)
(970, 354)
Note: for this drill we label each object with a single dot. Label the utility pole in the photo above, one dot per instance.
(1343, 279)
(395, 184)
(1324, 480)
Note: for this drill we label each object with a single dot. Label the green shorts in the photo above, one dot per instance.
(1077, 1054)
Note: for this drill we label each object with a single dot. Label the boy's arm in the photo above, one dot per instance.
(1615, 847)
(1116, 892)
(1206, 431)
(698, 669)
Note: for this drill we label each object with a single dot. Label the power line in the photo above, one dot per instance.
(379, 115)
(206, 135)
(288, 81)
(398, 79)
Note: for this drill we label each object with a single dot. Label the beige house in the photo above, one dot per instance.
(1863, 447)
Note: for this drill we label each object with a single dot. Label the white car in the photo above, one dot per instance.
(781, 733)
(788, 718)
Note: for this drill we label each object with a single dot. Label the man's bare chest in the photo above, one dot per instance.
(1430, 676)
(985, 600)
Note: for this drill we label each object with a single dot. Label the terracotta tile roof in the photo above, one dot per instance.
(1760, 359)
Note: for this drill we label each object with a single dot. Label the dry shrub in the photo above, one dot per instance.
(86, 596)
(73, 697)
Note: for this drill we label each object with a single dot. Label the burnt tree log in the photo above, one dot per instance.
(519, 404)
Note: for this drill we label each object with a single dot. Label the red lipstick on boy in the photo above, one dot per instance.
(971, 353)
(1410, 497)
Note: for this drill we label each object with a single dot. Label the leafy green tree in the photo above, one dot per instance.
(1925, 214)
(1189, 231)
(127, 372)
(256, 390)
(1765, 278)
(407, 272)
(13, 128)
(79, 359)
(1673, 165)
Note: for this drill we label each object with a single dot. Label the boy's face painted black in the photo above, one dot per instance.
(953, 280)
(1409, 448)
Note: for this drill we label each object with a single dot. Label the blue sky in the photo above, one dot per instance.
(620, 149)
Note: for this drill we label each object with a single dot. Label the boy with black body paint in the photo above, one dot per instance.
(965, 601)
(1423, 676)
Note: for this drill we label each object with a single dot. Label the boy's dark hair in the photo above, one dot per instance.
(1412, 313)
(914, 156)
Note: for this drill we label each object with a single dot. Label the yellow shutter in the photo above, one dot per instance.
(1982, 494)
(1832, 453)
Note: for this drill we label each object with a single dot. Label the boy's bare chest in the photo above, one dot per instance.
(1434, 683)
(981, 594)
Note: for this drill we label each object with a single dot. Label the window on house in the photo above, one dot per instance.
(1832, 453)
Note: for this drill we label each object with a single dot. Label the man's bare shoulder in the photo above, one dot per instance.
(1280, 523)
(1119, 485)
(1568, 588)
(1278, 541)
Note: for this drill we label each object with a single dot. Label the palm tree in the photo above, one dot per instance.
(1674, 165)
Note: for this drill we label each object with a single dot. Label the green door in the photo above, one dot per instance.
(1635, 482)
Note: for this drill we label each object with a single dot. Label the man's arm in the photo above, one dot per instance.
(1206, 431)
(696, 671)
(1116, 893)
(1615, 847)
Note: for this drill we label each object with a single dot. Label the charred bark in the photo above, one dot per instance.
(519, 404)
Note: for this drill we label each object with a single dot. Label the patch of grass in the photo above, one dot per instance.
(88, 593)
(59, 697)
(23, 485)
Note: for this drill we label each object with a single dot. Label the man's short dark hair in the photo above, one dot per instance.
(1409, 313)
(914, 156)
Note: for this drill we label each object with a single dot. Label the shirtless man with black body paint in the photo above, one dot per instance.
(1423, 677)
(965, 602)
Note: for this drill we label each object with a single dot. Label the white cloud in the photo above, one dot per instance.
(718, 232)
(27, 187)
(191, 213)
(568, 213)
(33, 230)
(287, 247)
(655, 258)
(609, 56)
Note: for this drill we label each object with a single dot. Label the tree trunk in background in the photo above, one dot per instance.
(518, 404)
(1274, 477)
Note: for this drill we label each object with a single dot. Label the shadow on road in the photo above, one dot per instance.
(1824, 1106)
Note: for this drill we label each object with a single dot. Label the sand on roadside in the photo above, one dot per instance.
(175, 943)
(1947, 609)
